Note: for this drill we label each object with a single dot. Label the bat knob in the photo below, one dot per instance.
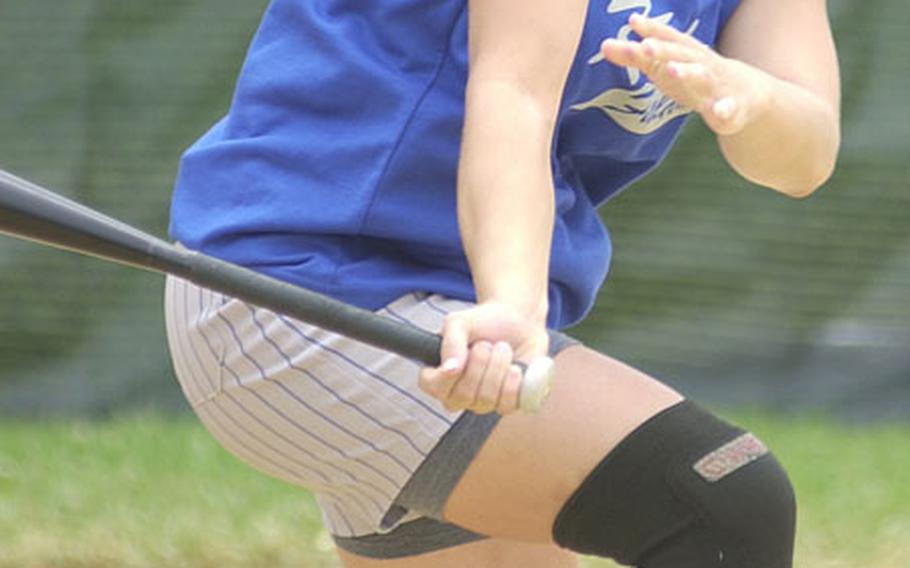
(536, 383)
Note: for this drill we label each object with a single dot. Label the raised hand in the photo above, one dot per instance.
(728, 94)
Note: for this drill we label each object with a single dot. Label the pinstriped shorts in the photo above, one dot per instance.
(344, 420)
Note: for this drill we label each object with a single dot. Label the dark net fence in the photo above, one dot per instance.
(728, 291)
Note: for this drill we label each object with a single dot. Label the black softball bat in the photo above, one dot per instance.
(30, 212)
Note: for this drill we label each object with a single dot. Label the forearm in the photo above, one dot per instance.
(791, 145)
(505, 194)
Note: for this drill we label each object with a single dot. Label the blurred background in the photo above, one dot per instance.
(732, 293)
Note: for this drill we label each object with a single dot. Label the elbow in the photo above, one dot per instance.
(811, 181)
(794, 173)
(797, 181)
(814, 174)
(816, 167)
(809, 171)
(794, 160)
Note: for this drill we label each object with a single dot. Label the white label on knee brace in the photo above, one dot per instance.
(730, 457)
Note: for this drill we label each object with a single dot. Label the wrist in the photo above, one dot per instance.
(532, 309)
(763, 92)
(754, 99)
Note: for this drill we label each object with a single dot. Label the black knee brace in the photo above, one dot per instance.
(684, 490)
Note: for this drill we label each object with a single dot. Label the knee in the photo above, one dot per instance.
(745, 519)
(685, 490)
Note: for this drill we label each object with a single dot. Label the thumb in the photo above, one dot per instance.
(723, 116)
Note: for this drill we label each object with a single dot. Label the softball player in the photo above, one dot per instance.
(441, 162)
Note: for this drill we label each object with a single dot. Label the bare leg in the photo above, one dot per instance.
(532, 464)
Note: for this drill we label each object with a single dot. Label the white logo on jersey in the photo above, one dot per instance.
(639, 110)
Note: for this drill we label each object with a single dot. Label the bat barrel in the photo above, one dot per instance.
(31, 212)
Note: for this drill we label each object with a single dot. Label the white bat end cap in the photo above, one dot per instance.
(536, 384)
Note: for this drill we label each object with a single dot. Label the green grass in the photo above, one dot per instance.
(149, 491)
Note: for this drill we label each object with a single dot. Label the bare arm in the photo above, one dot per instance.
(792, 146)
(771, 92)
(520, 52)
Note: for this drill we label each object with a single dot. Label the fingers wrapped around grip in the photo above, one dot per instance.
(487, 381)
(480, 348)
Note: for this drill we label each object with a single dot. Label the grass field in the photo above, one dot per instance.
(154, 492)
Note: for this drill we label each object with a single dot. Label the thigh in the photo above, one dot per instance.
(531, 464)
(489, 553)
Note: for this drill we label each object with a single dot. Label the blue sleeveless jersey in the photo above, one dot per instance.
(335, 166)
